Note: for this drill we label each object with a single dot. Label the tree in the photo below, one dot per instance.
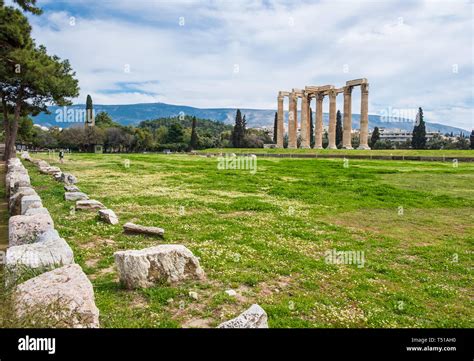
(28, 6)
(471, 138)
(418, 140)
(43, 80)
(312, 141)
(114, 139)
(89, 121)
(103, 120)
(175, 133)
(375, 136)
(142, 139)
(238, 134)
(275, 128)
(30, 79)
(15, 35)
(93, 136)
(193, 143)
(25, 130)
(338, 128)
(73, 138)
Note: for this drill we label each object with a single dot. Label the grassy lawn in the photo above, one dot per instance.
(265, 235)
(386, 152)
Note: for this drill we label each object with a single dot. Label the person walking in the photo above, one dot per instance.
(61, 156)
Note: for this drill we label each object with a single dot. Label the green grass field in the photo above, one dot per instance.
(384, 152)
(265, 235)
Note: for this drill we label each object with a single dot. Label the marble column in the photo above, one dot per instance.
(280, 124)
(292, 121)
(364, 117)
(347, 126)
(332, 120)
(305, 128)
(318, 128)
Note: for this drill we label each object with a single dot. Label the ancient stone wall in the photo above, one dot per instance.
(48, 288)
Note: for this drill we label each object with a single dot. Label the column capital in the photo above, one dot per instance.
(320, 97)
(364, 88)
(348, 90)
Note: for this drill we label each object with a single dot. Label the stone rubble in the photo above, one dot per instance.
(136, 228)
(89, 205)
(75, 196)
(108, 216)
(254, 317)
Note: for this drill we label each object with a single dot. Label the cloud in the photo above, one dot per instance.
(240, 54)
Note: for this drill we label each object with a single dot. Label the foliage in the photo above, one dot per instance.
(418, 140)
(375, 137)
(30, 78)
(194, 142)
(238, 133)
(338, 129)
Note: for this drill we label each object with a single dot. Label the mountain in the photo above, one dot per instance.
(132, 114)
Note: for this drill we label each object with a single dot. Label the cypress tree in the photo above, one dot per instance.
(338, 128)
(471, 138)
(418, 140)
(239, 130)
(275, 128)
(194, 137)
(311, 128)
(89, 111)
(375, 136)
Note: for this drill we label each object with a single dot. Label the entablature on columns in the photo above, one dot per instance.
(283, 94)
(356, 82)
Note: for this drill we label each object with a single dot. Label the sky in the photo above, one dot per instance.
(213, 54)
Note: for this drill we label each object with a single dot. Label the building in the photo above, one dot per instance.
(400, 135)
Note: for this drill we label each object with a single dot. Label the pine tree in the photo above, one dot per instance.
(175, 133)
(418, 140)
(194, 137)
(275, 128)
(338, 128)
(375, 136)
(312, 141)
(30, 78)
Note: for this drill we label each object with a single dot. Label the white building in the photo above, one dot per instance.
(401, 136)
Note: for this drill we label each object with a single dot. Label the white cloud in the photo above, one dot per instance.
(407, 51)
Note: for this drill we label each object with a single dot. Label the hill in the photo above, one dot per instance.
(133, 114)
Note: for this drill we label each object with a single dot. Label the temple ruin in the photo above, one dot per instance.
(318, 93)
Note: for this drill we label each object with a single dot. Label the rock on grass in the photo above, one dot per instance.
(254, 317)
(136, 228)
(108, 216)
(62, 297)
(169, 263)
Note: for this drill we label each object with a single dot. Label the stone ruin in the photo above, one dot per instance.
(318, 93)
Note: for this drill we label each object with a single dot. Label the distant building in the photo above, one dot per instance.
(401, 136)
